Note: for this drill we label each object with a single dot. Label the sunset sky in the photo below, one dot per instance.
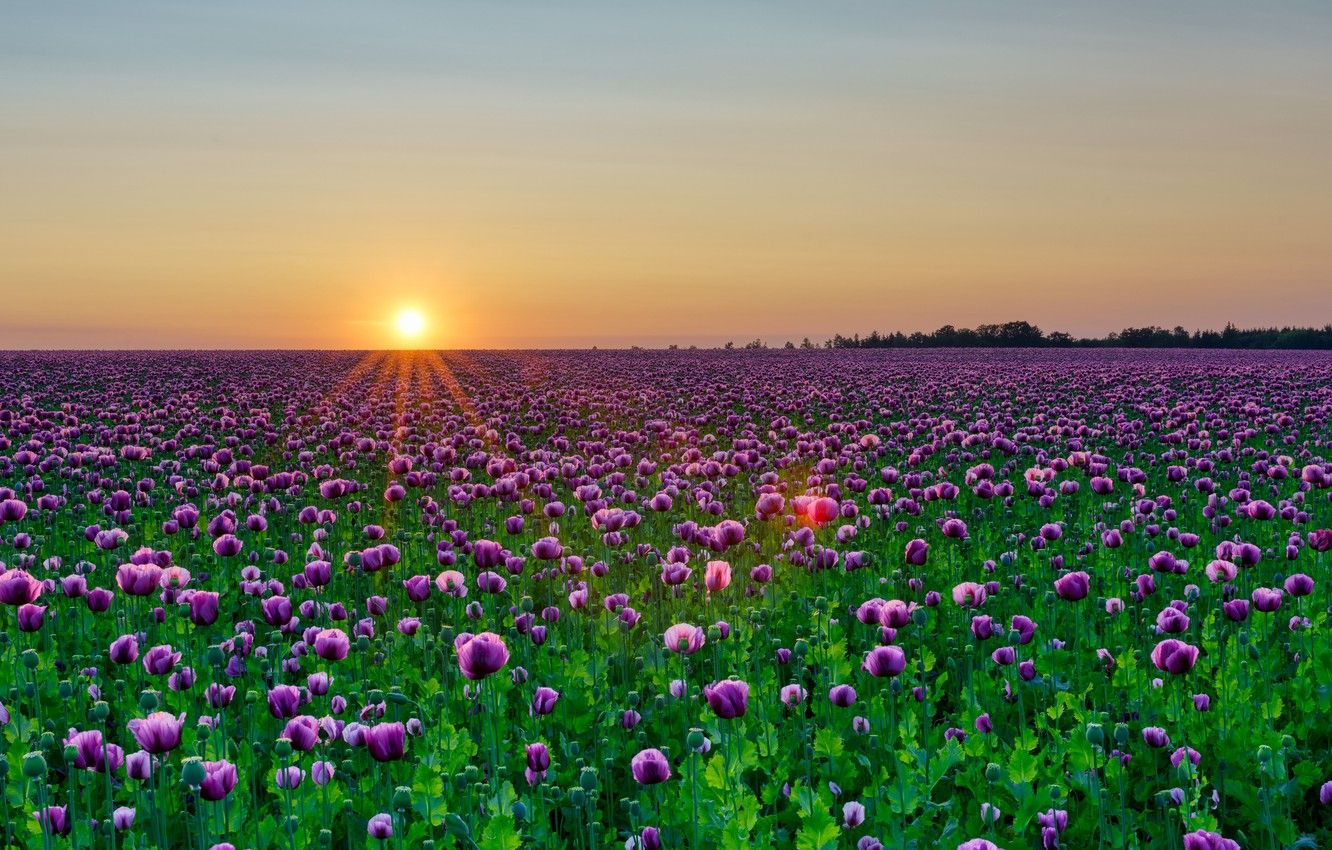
(244, 174)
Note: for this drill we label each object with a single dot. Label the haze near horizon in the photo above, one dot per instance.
(527, 175)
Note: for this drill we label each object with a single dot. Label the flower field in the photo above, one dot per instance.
(677, 599)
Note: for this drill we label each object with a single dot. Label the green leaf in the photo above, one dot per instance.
(828, 744)
(500, 834)
(819, 832)
(949, 757)
(1026, 741)
(904, 799)
(429, 788)
(502, 801)
(735, 836)
(746, 811)
(457, 747)
(928, 657)
(1081, 755)
(807, 798)
(1022, 767)
(714, 775)
(1031, 804)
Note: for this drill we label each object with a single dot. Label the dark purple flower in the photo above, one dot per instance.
(289, 778)
(380, 826)
(220, 778)
(385, 741)
(332, 644)
(54, 820)
(203, 607)
(160, 660)
(1266, 599)
(18, 588)
(884, 661)
(30, 617)
(284, 700)
(480, 655)
(418, 588)
(303, 732)
(1204, 840)
(916, 552)
(1155, 736)
(1073, 586)
(93, 753)
(159, 732)
(227, 546)
(543, 701)
(842, 696)
(650, 767)
(1173, 656)
(728, 698)
(1299, 584)
(276, 610)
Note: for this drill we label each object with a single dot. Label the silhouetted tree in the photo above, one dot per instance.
(1019, 334)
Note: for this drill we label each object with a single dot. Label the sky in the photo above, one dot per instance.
(296, 174)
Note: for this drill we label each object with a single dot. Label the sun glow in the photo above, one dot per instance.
(410, 323)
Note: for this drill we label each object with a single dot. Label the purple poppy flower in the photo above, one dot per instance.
(159, 732)
(385, 741)
(220, 778)
(884, 661)
(1173, 656)
(728, 698)
(480, 655)
(650, 767)
(380, 826)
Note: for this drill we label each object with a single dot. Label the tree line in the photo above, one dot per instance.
(1027, 335)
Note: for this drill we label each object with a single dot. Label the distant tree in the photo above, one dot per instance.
(789, 345)
(1025, 334)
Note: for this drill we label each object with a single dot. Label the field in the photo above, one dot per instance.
(682, 599)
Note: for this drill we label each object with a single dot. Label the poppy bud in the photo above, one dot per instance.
(34, 765)
(192, 771)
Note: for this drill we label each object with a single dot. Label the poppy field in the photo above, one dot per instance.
(666, 599)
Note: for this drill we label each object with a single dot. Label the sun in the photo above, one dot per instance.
(410, 323)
